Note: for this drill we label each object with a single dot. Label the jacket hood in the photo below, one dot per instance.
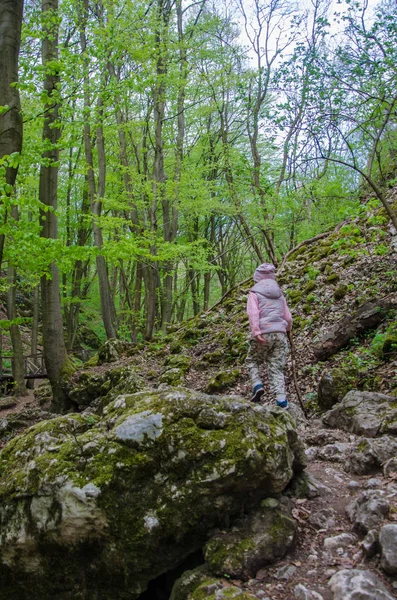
(268, 288)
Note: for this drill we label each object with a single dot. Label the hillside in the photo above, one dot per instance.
(325, 280)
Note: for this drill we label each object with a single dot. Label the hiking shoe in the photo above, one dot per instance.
(282, 403)
(258, 393)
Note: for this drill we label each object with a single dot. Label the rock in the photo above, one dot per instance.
(367, 510)
(370, 544)
(175, 368)
(388, 548)
(285, 572)
(334, 384)
(113, 349)
(305, 485)
(334, 452)
(364, 413)
(222, 380)
(85, 498)
(373, 483)
(368, 315)
(355, 584)
(369, 455)
(324, 518)
(198, 583)
(353, 485)
(390, 467)
(255, 541)
(43, 393)
(344, 540)
(302, 593)
(7, 402)
(96, 388)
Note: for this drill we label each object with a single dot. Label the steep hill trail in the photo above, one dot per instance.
(324, 282)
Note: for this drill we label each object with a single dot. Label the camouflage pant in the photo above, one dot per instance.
(273, 353)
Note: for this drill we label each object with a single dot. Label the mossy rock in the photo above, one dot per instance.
(191, 334)
(334, 384)
(333, 278)
(113, 349)
(310, 286)
(348, 261)
(43, 393)
(172, 376)
(176, 347)
(388, 349)
(199, 584)
(109, 503)
(294, 294)
(254, 542)
(340, 292)
(222, 381)
(91, 362)
(181, 361)
(7, 402)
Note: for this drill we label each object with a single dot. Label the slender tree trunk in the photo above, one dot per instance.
(108, 310)
(18, 363)
(56, 359)
(35, 331)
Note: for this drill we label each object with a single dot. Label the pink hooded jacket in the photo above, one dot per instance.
(266, 307)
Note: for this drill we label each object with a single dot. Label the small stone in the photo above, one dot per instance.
(312, 573)
(340, 541)
(353, 485)
(285, 572)
(330, 572)
(370, 544)
(312, 558)
(302, 593)
(324, 519)
(373, 483)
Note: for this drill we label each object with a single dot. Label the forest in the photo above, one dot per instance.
(152, 153)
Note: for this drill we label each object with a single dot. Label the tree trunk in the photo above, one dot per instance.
(11, 12)
(18, 363)
(108, 310)
(56, 358)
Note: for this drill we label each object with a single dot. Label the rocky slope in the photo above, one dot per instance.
(344, 507)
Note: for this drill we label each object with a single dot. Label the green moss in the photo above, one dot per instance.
(91, 362)
(310, 298)
(310, 286)
(340, 292)
(333, 278)
(222, 381)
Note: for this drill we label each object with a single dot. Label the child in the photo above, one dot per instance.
(269, 319)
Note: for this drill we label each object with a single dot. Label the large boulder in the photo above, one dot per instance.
(364, 413)
(96, 507)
